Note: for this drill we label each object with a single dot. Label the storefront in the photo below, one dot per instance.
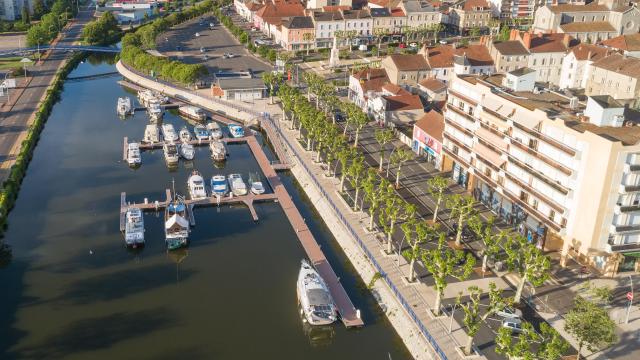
(459, 175)
(427, 137)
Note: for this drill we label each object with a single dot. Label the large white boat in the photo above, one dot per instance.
(201, 132)
(170, 153)
(176, 225)
(236, 131)
(146, 96)
(185, 135)
(192, 112)
(134, 227)
(169, 133)
(219, 185)
(237, 185)
(187, 151)
(133, 154)
(196, 186)
(214, 130)
(316, 302)
(151, 134)
(124, 107)
(155, 110)
(163, 99)
(218, 151)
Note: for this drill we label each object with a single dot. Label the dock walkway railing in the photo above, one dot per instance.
(408, 308)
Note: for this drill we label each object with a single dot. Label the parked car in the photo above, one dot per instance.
(413, 45)
(212, 25)
(205, 57)
(202, 50)
(510, 313)
(402, 45)
(443, 42)
(197, 34)
(229, 55)
(513, 324)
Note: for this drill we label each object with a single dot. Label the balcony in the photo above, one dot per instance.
(618, 229)
(456, 157)
(631, 168)
(547, 139)
(629, 188)
(541, 176)
(535, 193)
(458, 126)
(556, 165)
(622, 247)
(459, 143)
(462, 97)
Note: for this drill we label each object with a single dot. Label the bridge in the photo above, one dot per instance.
(60, 47)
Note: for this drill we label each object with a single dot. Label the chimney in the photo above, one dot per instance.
(368, 74)
(566, 40)
(589, 55)
(454, 45)
(526, 40)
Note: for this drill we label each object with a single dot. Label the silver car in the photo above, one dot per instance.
(509, 313)
(513, 324)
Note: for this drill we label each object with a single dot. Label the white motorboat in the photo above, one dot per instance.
(187, 151)
(218, 151)
(257, 188)
(196, 186)
(237, 185)
(155, 110)
(176, 225)
(315, 300)
(219, 185)
(145, 97)
(162, 99)
(236, 131)
(214, 130)
(151, 134)
(170, 153)
(133, 154)
(169, 133)
(200, 132)
(124, 107)
(192, 112)
(134, 227)
(185, 135)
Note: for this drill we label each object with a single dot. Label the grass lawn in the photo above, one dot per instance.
(12, 63)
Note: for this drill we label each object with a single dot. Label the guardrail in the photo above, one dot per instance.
(363, 247)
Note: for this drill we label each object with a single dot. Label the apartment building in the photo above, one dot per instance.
(427, 137)
(359, 21)
(364, 83)
(470, 14)
(596, 21)
(247, 8)
(294, 32)
(387, 21)
(326, 24)
(320, 4)
(420, 13)
(513, 9)
(546, 52)
(576, 66)
(564, 173)
(446, 60)
(406, 69)
(508, 55)
(615, 75)
(12, 9)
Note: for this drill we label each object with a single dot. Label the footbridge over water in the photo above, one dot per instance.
(59, 47)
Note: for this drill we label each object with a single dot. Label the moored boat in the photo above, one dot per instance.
(187, 151)
(316, 302)
(219, 185)
(185, 135)
(133, 154)
(155, 110)
(218, 150)
(124, 107)
(257, 188)
(151, 134)
(134, 227)
(214, 130)
(192, 112)
(176, 225)
(201, 132)
(236, 131)
(196, 186)
(237, 185)
(145, 97)
(170, 153)
(169, 133)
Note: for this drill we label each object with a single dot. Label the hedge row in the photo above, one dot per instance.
(11, 186)
(134, 55)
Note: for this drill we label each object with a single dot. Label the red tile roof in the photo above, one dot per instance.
(541, 43)
(409, 62)
(397, 12)
(433, 84)
(442, 56)
(395, 89)
(372, 79)
(432, 123)
(404, 102)
(474, 5)
(629, 42)
(590, 52)
(336, 8)
(280, 9)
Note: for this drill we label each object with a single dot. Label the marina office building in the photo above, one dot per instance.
(563, 172)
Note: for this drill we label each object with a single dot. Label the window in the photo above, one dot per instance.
(403, 76)
(543, 61)
(524, 196)
(534, 62)
(329, 26)
(321, 27)
(552, 215)
(534, 204)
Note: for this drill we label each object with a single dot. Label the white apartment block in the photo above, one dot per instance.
(566, 174)
(576, 66)
(12, 9)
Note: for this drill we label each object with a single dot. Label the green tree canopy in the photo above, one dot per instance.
(591, 326)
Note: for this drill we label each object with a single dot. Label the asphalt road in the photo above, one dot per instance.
(15, 121)
(181, 43)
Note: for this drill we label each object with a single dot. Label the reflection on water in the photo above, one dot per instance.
(74, 291)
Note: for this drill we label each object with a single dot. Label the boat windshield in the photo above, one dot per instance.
(176, 207)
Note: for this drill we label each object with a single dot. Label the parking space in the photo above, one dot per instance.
(209, 48)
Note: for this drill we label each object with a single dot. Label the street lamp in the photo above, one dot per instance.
(24, 62)
(5, 84)
(626, 321)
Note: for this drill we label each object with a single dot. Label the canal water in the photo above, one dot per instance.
(73, 291)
